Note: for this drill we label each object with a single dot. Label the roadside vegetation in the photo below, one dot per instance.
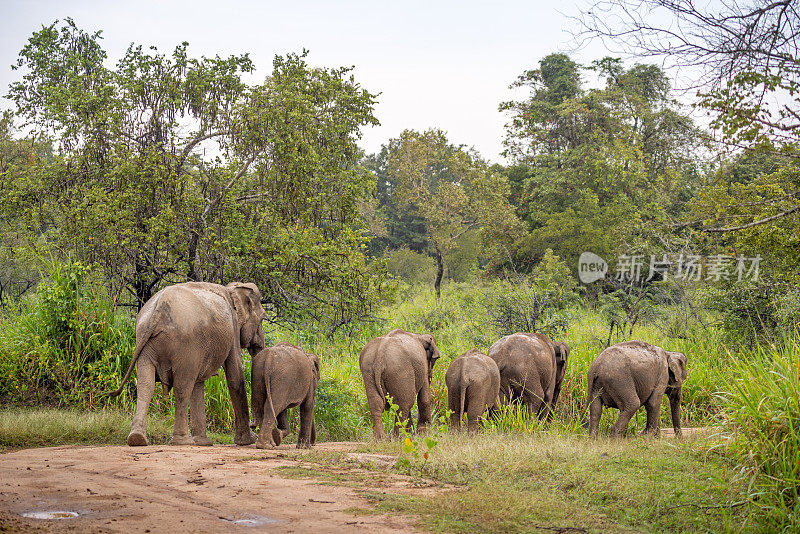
(118, 180)
(741, 470)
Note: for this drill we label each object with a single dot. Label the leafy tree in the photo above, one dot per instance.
(171, 167)
(403, 228)
(453, 191)
(593, 167)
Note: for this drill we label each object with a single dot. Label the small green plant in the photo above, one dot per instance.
(415, 447)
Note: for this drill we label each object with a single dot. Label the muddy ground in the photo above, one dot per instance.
(195, 489)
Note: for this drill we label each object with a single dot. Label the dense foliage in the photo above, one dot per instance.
(169, 167)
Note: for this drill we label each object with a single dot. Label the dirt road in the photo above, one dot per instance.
(184, 489)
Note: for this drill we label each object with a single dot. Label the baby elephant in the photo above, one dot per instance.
(633, 374)
(473, 386)
(284, 376)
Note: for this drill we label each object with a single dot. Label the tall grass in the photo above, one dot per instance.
(762, 415)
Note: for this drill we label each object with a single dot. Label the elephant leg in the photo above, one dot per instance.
(145, 385)
(183, 390)
(454, 405)
(197, 414)
(625, 415)
(269, 435)
(306, 423)
(653, 408)
(313, 432)
(595, 412)
(534, 401)
(474, 409)
(424, 407)
(283, 423)
(404, 396)
(376, 404)
(234, 376)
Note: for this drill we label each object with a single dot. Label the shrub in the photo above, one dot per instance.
(65, 344)
(412, 267)
(537, 303)
(752, 311)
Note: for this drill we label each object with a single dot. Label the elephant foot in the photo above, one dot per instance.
(277, 436)
(245, 439)
(304, 445)
(182, 440)
(203, 441)
(137, 439)
(264, 445)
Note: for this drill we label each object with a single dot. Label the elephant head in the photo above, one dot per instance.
(249, 315)
(432, 352)
(677, 369)
(562, 354)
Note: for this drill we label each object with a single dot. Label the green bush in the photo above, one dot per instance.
(66, 344)
(411, 267)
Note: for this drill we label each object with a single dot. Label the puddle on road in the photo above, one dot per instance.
(256, 521)
(55, 514)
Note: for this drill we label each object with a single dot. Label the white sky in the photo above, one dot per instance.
(445, 64)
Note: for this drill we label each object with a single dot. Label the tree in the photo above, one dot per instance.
(745, 58)
(171, 168)
(453, 191)
(592, 167)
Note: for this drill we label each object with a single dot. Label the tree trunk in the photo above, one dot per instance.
(437, 285)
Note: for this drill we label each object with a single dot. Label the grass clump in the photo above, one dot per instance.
(762, 414)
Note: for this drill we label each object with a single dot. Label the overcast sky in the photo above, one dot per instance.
(435, 64)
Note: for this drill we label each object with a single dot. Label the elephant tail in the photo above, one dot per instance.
(461, 404)
(269, 398)
(148, 334)
(377, 376)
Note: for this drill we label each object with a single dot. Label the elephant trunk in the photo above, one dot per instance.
(675, 409)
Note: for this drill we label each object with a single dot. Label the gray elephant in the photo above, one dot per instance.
(399, 364)
(532, 369)
(633, 374)
(473, 386)
(184, 334)
(284, 376)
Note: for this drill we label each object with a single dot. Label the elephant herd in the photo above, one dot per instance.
(186, 332)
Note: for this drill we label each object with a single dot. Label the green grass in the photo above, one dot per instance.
(46, 427)
(554, 480)
(750, 392)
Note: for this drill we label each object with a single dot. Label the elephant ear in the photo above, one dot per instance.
(245, 298)
(677, 368)
(432, 351)
(562, 353)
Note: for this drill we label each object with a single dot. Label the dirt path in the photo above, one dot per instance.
(184, 489)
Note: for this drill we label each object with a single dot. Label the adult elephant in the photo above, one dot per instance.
(633, 374)
(399, 364)
(532, 369)
(184, 334)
